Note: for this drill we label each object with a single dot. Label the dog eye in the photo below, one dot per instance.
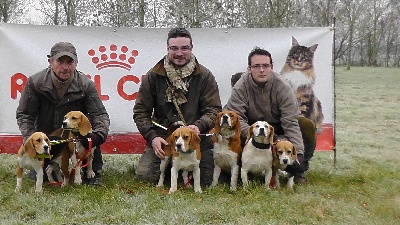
(289, 152)
(185, 137)
(38, 140)
(280, 152)
(74, 118)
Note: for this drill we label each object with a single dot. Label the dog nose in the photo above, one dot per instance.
(46, 149)
(64, 125)
(178, 146)
(262, 131)
(285, 161)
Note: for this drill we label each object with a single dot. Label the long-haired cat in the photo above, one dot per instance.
(299, 72)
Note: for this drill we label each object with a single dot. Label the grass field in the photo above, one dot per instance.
(364, 188)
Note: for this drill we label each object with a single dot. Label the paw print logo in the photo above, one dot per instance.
(113, 57)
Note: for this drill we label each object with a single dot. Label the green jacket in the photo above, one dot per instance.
(202, 106)
(40, 108)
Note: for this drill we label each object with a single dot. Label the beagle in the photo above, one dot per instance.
(184, 147)
(257, 152)
(227, 146)
(76, 125)
(284, 154)
(30, 156)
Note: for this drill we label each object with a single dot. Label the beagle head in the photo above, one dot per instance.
(38, 143)
(77, 121)
(285, 152)
(261, 132)
(184, 140)
(227, 124)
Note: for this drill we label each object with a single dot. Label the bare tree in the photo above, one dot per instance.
(351, 10)
(12, 10)
(367, 30)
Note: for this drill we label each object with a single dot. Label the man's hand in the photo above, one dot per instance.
(195, 129)
(156, 143)
(96, 140)
(295, 168)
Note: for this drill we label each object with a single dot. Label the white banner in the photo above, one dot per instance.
(116, 59)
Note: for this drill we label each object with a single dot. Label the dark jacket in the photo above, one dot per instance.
(40, 108)
(202, 106)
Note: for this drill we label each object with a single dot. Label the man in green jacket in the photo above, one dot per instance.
(262, 94)
(51, 93)
(179, 78)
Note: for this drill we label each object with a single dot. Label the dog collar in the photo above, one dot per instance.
(187, 152)
(260, 145)
(43, 156)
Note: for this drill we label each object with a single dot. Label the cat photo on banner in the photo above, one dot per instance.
(299, 72)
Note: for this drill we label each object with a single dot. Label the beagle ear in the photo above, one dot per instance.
(275, 151)
(168, 148)
(194, 141)
(275, 162)
(30, 147)
(214, 137)
(217, 127)
(271, 134)
(294, 153)
(85, 127)
(237, 126)
(249, 133)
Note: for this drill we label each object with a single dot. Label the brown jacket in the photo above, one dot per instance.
(40, 108)
(202, 106)
(274, 103)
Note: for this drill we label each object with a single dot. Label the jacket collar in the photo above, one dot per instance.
(160, 70)
(267, 87)
(47, 83)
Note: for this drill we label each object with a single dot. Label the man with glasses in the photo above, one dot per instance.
(262, 94)
(177, 90)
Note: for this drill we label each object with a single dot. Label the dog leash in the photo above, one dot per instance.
(72, 173)
(161, 126)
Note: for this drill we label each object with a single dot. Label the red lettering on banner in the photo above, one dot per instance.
(120, 87)
(19, 80)
(15, 87)
(97, 82)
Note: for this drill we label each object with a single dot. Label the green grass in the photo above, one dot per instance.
(364, 188)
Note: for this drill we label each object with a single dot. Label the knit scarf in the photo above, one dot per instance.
(178, 78)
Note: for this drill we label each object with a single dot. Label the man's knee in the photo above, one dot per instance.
(309, 135)
(97, 162)
(206, 167)
(148, 168)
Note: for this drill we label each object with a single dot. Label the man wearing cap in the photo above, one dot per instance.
(53, 92)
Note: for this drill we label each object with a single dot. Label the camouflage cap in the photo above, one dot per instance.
(61, 49)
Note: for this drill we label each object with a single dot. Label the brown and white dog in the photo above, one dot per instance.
(284, 154)
(227, 148)
(184, 147)
(77, 124)
(30, 156)
(257, 152)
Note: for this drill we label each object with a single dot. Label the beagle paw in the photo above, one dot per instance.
(90, 174)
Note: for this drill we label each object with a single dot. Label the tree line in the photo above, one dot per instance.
(367, 31)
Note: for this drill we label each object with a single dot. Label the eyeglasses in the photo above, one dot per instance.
(259, 66)
(183, 48)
